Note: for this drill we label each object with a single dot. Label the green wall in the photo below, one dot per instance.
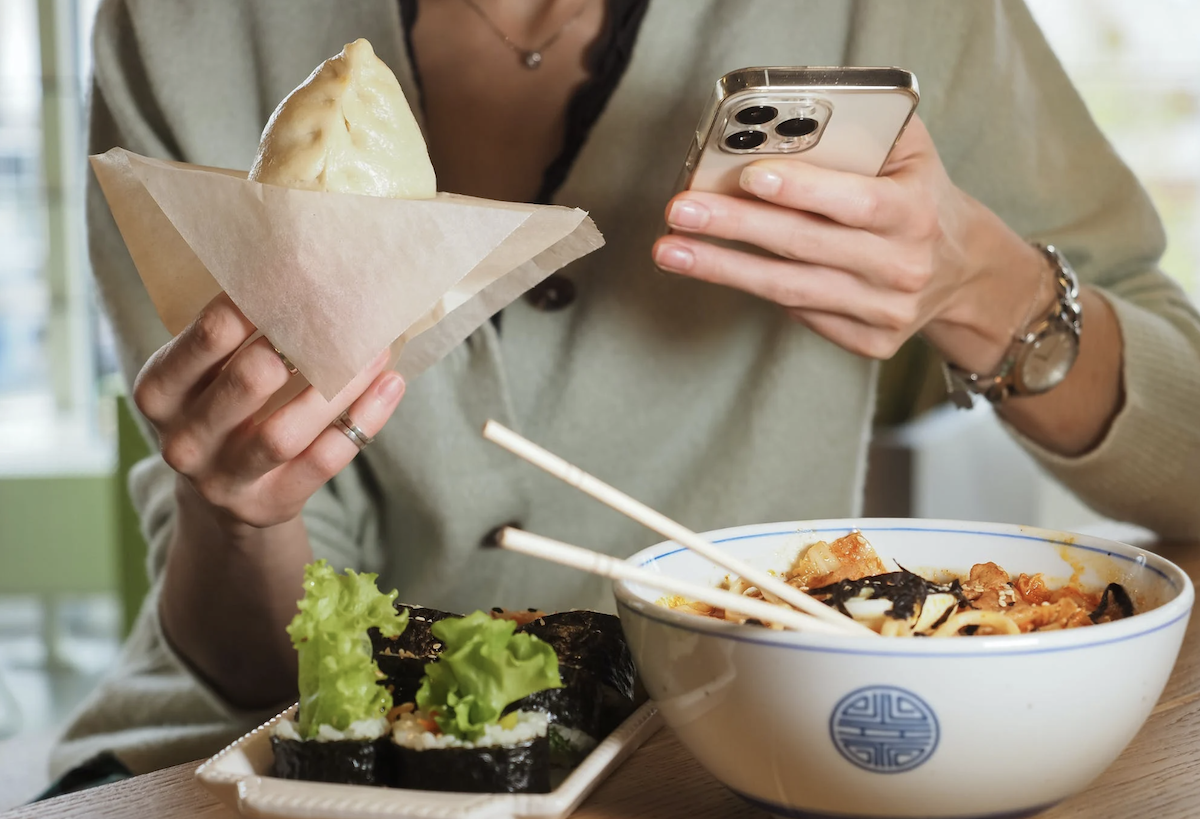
(76, 534)
(58, 535)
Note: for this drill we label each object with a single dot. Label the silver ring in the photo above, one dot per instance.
(291, 368)
(352, 431)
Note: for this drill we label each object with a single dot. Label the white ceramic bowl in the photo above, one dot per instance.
(830, 726)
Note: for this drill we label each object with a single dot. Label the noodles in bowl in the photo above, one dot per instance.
(826, 725)
(850, 576)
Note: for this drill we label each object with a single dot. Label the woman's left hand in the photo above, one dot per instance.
(867, 262)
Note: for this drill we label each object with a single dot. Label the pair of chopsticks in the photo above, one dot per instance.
(803, 613)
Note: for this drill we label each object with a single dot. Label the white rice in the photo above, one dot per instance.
(360, 730)
(410, 733)
(578, 740)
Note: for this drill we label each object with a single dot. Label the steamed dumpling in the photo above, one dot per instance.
(348, 129)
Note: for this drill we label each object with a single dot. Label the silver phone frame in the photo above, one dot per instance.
(814, 78)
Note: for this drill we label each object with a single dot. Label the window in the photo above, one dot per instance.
(54, 351)
(1137, 66)
(23, 297)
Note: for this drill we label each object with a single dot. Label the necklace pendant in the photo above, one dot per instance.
(532, 59)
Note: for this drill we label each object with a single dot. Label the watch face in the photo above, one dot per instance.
(1048, 360)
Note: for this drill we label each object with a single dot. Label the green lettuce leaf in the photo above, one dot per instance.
(338, 674)
(483, 668)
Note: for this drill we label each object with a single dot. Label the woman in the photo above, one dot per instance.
(738, 388)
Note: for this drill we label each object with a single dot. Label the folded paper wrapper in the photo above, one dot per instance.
(331, 278)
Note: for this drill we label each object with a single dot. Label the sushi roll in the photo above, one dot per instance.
(590, 640)
(356, 756)
(511, 756)
(340, 731)
(457, 736)
(402, 658)
(574, 712)
(599, 690)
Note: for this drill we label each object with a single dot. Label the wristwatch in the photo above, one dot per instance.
(1038, 359)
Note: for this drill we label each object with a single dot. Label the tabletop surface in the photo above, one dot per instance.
(1158, 774)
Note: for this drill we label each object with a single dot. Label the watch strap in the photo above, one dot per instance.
(961, 384)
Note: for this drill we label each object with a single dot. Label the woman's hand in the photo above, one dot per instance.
(238, 536)
(868, 261)
(200, 392)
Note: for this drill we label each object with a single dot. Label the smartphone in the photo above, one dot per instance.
(846, 119)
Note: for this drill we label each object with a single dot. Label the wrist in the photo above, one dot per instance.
(239, 647)
(200, 522)
(1041, 355)
(1011, 285)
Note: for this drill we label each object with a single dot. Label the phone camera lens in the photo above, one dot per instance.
(799, 127)
(745, 140)
(756, 115)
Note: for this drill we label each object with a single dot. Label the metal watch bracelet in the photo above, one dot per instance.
(1063, 320)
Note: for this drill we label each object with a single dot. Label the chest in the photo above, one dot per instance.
(493, 124)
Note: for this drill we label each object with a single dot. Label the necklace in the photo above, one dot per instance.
(531, 58)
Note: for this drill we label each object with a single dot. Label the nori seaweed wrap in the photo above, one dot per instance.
(402, 659)
(590, 640)
(522, 768)
(349, 762)
(502, 767)
(416, 638)
(597, 671)
(578, 704)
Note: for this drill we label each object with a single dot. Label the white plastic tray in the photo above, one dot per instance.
(237, 775)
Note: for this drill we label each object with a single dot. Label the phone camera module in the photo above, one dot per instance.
(745, 140)
(798, 127)
(756, 115)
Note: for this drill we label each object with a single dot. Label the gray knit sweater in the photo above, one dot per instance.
(705, 403)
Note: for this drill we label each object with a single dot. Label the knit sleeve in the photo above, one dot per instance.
(1146, 470)
(1014, 133)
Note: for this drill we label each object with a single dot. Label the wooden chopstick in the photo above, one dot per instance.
(518, 540)
(768, 584)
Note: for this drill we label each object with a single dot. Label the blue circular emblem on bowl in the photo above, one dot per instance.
(884, 729)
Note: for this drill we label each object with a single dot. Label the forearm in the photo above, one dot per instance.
(229, 591)
(1011, 285)
(1146, 467)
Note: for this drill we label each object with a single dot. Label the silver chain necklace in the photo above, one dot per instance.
(531, 58)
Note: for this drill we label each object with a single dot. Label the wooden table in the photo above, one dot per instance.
(1157, 776)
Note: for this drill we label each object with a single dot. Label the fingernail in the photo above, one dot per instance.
(391, 386)
(760, 181)
(674, 257)
(688, 215)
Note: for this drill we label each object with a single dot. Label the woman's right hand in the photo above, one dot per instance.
(200, 392)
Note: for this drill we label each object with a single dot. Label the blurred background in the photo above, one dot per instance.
(70, 567)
